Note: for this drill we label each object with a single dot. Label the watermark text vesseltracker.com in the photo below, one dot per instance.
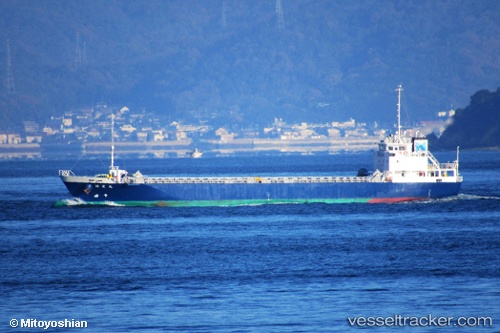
(47, 324)
(422, 321)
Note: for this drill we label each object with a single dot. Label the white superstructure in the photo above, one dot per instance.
(403, 159)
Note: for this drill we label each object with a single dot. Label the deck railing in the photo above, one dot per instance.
(253, 180)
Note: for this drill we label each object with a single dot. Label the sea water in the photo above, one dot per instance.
(267, 268)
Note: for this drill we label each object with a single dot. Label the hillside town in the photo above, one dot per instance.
(89, 130)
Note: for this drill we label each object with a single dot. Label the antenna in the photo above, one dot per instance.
(112, 141)
(10, 77)
(280, 16)
(399, 89)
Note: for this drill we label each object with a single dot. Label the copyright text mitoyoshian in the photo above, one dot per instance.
(424, 321)
(47, 324)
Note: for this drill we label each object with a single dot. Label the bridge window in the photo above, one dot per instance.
(446, 173)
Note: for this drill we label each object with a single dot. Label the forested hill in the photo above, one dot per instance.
(476, 126)
(245, 62)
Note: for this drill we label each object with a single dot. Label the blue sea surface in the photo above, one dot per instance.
(266, 268)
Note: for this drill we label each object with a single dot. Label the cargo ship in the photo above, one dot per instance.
(404, 170)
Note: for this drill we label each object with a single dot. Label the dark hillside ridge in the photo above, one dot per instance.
(476, 126)
(233, 62)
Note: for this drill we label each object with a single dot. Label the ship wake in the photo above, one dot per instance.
(76, 202)
(459, 197)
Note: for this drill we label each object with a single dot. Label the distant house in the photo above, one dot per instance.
(128, 128)
(68, 122)
(48, 130)
(14, 138)
(33, 138)
(308, 133)
(158, 135)
(380, 133)
(345, 124)
(269, 130)
(334, 133)
(356, 133)
(87, 112)
(181, 135)
(10, 138)
(443, 114)
(124, 109)
(249, 133)
(142, 136)
(92, 132)
(289, 135)
(224, 135)
(300, 127)
(70, 130)
(189, 128)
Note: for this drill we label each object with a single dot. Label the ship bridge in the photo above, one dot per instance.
(408, 159)
(398, 155)
(402, 159)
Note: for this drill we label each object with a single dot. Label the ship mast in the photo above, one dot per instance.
(399, 89)
(112, 141)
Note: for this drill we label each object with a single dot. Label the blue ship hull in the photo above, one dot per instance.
(185, 194)
(404, 170)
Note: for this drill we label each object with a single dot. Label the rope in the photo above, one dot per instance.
(78, 160)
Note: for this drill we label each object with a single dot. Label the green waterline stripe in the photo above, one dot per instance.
(212, 203)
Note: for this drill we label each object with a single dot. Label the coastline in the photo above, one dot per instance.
(182, 148)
